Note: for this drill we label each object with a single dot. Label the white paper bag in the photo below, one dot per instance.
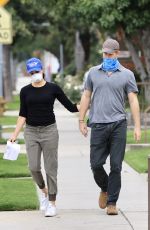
(12, 151)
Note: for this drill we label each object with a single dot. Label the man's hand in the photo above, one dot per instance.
(137, 134)
(83, 129)
(135, 110)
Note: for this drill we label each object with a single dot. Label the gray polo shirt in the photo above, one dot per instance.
(109, 93)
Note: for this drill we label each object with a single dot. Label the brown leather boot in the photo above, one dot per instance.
(112, 210)
(103, 200)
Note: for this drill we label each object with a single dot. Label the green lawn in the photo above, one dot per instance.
(8, 120)
(8, 130)
(14, 104)
(130, 138)
(16, 191)
(18, 168)
(4, 141)
(18, 194)
(138, 159)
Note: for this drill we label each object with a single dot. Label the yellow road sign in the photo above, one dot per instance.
(3, 2)
(5, 27)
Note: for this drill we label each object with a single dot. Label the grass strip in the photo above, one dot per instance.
(4, 141)
(17, 195)
(138, 159)
(14, 104)
(130, 138)
(18, 168)
(8, 120)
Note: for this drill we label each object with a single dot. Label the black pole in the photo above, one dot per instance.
(148, 192)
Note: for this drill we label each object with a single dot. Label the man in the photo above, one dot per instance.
(106, 88)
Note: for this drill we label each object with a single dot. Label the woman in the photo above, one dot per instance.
(41, 135)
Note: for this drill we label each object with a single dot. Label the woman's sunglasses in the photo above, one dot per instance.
(34, 72)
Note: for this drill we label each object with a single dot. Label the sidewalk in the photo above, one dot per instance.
(78, 194)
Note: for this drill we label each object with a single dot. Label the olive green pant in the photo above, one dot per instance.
(43, 139)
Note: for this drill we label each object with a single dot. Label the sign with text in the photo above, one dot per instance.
(5, 27)
(124, 54)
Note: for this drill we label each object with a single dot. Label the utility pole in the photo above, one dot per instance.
(1, 70)
(148, 192)
(61, 59)
(5, 39)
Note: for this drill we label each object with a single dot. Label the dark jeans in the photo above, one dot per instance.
(108, 139)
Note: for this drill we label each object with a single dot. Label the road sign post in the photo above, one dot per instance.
(148, 192)
(5, 27)
(3, 2)
(5, 36)
(1, 70)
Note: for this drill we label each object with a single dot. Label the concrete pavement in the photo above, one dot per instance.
(78, 194)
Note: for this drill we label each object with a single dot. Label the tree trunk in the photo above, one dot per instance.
(85, 40)
(136, 60)
(140, 68)
(134, 55)
(145, 41)
(79, 53)
(7, 73)
(147, 93)
(14, 73)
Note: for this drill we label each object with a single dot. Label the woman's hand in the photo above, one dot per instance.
(13, 137)
(78, 107)
(20, 123)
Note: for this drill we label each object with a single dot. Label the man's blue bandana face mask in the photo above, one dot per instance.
(110, 64)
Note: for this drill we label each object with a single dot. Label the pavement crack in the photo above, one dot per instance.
(126, 218)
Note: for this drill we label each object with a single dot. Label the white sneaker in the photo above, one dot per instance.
(43, 202)
(50, 210)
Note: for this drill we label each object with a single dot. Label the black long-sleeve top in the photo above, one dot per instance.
(36, 104)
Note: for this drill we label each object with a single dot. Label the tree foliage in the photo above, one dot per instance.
(30, 18)
(46, 24)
